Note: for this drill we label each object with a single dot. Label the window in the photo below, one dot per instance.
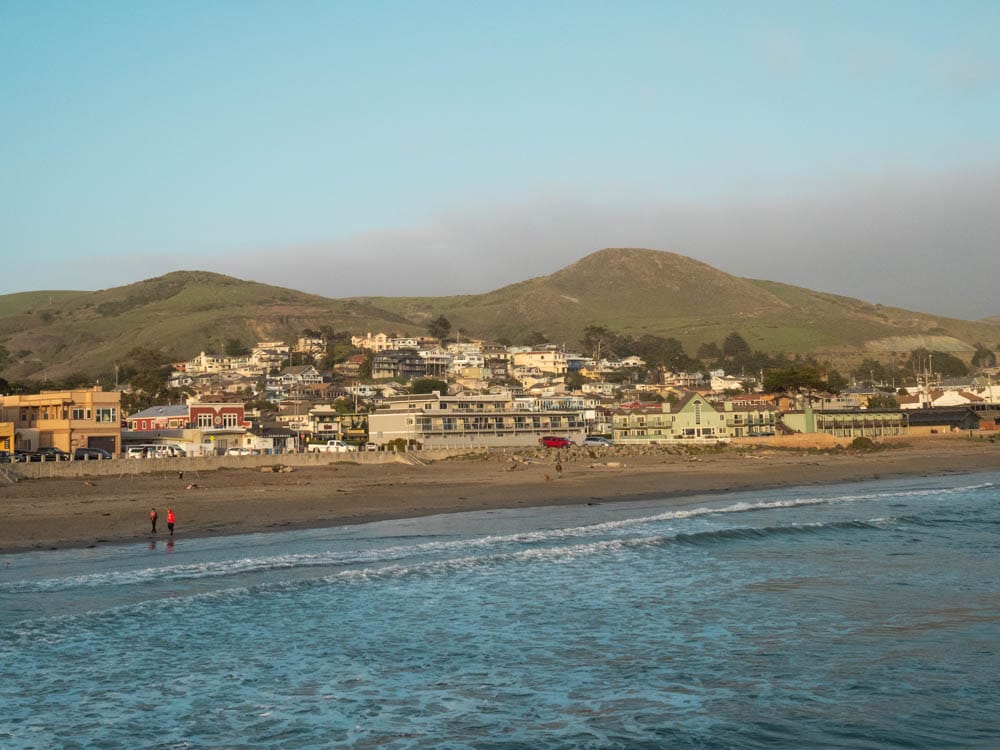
(106, 414)
(80, 413)
(230, 420)
(204, 420)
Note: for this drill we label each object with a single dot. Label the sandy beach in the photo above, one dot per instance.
(56, 513)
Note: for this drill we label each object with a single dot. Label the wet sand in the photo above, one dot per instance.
(57, 513)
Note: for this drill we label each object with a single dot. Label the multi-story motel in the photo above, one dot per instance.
(693, 419)
(847, 423)
(70, 419)
(433, 420)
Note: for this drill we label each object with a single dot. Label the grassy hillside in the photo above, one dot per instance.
(631, 291)
(59, 333)
(639, 291)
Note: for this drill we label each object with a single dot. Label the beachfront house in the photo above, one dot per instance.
(846, 423)
(69, 419)
(198, 428)
(692, 419)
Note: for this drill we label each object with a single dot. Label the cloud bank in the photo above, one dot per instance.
(918, 240)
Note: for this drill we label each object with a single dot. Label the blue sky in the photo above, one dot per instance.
(319, 144)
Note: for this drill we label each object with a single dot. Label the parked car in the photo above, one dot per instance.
(5, 457)
(154, 450)
(49, 453)
(332, 446)
(90, 454)
(22, 456)
(371, 446)
(555, 441)
(596, 441)
(239, 452)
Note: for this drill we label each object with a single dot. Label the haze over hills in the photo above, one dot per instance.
(631, 291)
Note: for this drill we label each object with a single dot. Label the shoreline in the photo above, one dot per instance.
(48, 514)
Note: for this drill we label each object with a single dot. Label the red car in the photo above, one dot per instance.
(555, 441)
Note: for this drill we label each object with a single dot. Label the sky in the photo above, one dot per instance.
(432, 148)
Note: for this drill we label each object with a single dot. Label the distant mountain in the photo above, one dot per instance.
(633, 291)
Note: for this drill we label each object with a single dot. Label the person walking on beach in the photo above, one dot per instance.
(152, 518)
(170, 521)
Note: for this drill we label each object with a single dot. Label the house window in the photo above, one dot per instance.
(79, 413)
(230, 420)
(106, 414)
(204, 420)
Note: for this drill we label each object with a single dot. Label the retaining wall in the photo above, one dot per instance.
(120, 466)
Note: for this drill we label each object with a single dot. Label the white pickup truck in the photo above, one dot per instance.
(332, 446)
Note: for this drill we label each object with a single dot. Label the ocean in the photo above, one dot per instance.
(843, 616)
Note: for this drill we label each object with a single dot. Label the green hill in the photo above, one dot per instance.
(55, 334)
(631, 291)
(639, 291)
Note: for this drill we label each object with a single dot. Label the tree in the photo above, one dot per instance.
(235, 348)
(710, 353)
(835, 382)
(984, 357)
(536, 338)
(871, 371)
(938, 363)
(597, 340)
(784, 379)
(882, 401)
(439, 328)
(428, 385)
(365, 371)
(735, 347)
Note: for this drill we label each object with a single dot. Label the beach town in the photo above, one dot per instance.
(413, 426)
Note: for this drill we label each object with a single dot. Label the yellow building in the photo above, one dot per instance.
(6, 436)
(64, 419)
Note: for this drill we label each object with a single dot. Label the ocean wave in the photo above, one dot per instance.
(248, 565)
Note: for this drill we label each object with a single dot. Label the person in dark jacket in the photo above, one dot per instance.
(152, 518)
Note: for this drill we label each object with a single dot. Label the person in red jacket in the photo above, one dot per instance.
(152, 518)
(170, 521)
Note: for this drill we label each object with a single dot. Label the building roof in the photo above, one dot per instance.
(161, 412)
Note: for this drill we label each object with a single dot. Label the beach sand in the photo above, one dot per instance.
(56, 513)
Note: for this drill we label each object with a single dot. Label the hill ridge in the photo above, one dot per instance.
(635, 291)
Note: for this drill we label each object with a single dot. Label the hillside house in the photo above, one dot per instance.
(549, 360)
(378, 342)
(403, 365)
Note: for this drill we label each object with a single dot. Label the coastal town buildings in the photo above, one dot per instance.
(692, 419)
(436, 420)
(66, 419)
(198, 428)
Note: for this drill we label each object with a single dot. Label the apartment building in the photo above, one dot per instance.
(434, 420)
(692, 419)
(70, 419)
